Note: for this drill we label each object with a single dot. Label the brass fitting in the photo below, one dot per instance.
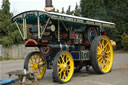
(113, 43)
(49, 9)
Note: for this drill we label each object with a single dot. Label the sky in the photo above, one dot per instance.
(17, 6)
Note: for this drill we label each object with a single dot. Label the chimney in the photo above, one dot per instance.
(48, 6)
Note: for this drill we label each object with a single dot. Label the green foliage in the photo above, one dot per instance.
(5, 57)
(108, 10)
(8, 31)
(55, 10)
(117, 13)
(62, 10)
(69, 12)
(93, 9)
(124, 41)
(6, 7)
(1, 58)
(77, 10)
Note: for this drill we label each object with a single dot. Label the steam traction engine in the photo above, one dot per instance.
(66, 43)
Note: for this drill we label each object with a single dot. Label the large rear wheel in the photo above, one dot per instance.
(35, 63)
(63, 67)
(101, 54)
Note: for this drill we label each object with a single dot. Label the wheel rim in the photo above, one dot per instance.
(65, 67)
(105, 55)
(37, 65)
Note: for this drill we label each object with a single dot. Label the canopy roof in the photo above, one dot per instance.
(32, 16)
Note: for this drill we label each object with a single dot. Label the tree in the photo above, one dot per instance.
(6, 7)
(55, 10)
(8, 31)
(69, 11)
(108, 10)
(93, 9)
(124, 41)
(116, 12)
(77, 10)
(62, 10)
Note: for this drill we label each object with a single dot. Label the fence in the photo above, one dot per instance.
(16, 51)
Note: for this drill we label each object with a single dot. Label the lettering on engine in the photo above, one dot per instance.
(85, 55)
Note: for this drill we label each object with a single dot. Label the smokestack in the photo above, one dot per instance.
(48, 5)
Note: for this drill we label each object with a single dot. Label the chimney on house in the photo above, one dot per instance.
(48, 6)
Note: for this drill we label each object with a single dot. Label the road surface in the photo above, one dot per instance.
(118, 76)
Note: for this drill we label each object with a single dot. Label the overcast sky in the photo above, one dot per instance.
(18, 6)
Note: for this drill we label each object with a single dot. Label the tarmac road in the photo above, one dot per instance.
(118, 76)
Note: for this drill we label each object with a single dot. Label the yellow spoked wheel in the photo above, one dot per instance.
(63, 67)
(35, 63)
(101, 54)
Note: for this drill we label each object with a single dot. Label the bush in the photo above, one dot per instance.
(124, 41)
(1, 58)
(4, 58)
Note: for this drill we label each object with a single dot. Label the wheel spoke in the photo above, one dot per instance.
(105, 45)
(35, 59)
(99, 49)
(67, 61)
(102, 43)
(59, 61)
(104, 62)
(108, 52)
(39, 60)
(31, 60)
(40, 70)
(62, 57)
(64, 75)
(61, 70)
(59, 67)
(101, 65)
(107, 60)
(30, 63)
(99, 58)
(105, 49)
(31, 69)
(29, 66)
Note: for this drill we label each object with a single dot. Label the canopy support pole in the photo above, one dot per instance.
(65, 26)
(45, 26)
(19, 30)
(58, 31)
(39, 27)
(24, 28)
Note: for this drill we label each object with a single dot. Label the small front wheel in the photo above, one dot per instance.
(63, 67)
(35, 63)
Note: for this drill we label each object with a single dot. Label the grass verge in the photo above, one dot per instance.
(9, 58)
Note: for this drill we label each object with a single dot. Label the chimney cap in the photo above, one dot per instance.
(48, 3)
